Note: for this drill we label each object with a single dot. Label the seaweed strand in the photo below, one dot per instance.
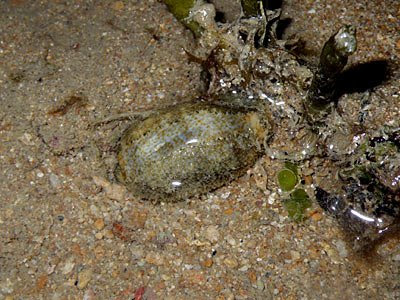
(333, 59)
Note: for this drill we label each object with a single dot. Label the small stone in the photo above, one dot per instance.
(42, 282)
(294, 255)
(228, 211)
(50, 269)
(26, 138)
(54, 180)
(118, 5)
(229, 295)
(108, 234)
(271, 198)
(69, 265)
(138, 219)
(341, 248)
(99, 224)
(84, 277)
(212, 234)
(137, 252)
(396, 257)
(308, 180)
(116, 192)
(154, 259)
(208, 263)
(316, 216)
(244, 268)
(231, 241)
(252, 276)
(101, 182)
(99, 235)
(165, 277)
(260, 285)
(89, 295)
(231, 262)
(193, 277)
(330, 252)
(113, 191)
(99, 252)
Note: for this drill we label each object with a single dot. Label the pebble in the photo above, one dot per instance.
(341, 247)
(118, 5)
(331, 252)
(165, 277)
(396, 257)
(42, 282)
(154, 259)
(212, 234)
(316, 216)
(99, 252)
(244, 268)
(113, 191)
(108, 234)
(260, 285)
(27, 139)
(99, 224)
(84, 277)
(137, 252)
(231, 241)
(208, 263)
(99, 235)
(193, 277)
(116, 192)
(54, 180)
(228, 211)
(252, 276)
(138, 218)
(271, 198)
(294, 255)
(69, 265)
(308, 180)
(89, 295)
(231, 262)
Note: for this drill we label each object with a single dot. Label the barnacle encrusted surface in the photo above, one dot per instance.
(189, 149)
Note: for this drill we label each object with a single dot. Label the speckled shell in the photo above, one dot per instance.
(189, 149)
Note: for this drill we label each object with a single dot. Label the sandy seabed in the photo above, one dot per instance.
(68, 232)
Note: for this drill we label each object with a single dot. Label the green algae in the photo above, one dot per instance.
(288, 177)
(250, 8)
(297, 204)
(287, 180)
(181, 10)
(291, 166)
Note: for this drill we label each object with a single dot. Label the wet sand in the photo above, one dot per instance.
(68, 231)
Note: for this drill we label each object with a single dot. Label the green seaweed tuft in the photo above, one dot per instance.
(297, 204)
(181, 10)
(250, 8)
(287, 179)
(291, 166)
